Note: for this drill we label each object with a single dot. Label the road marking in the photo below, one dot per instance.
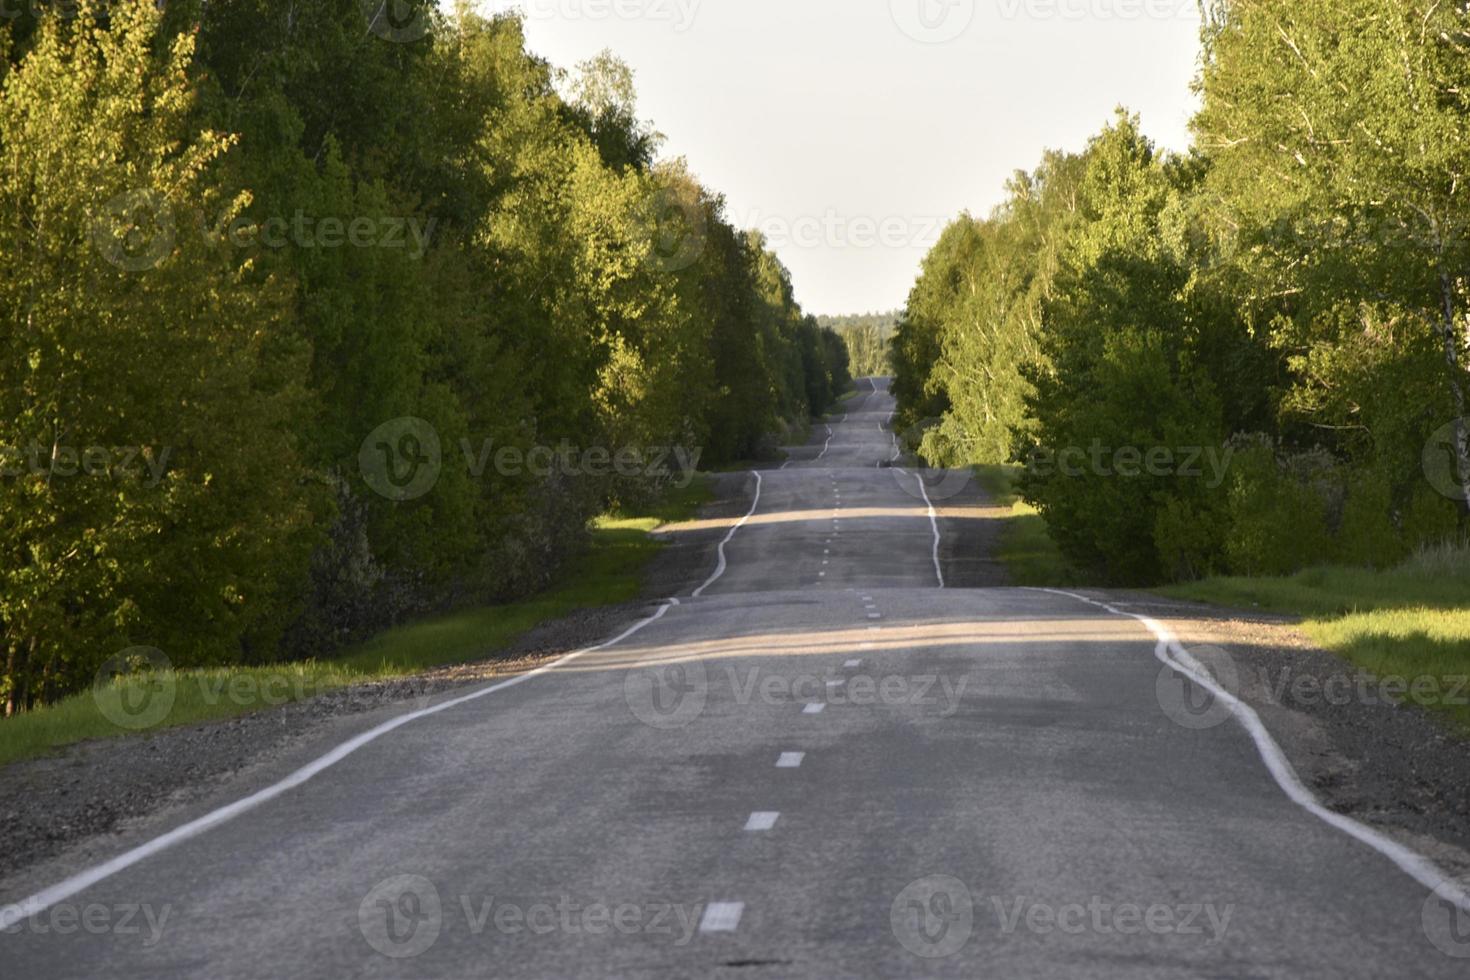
(827, 446)
(1172, 653)
(720, 568)
(836, 683)
(873, 615)
(813, 709)
(934, 523)
(721, 916)
(856, 663)
(762, 820)
(790, 760)
(60, 892)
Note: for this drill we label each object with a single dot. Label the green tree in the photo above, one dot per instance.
(162, 504)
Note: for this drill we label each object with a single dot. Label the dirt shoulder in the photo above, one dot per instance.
(77, 801)
(1364, 752)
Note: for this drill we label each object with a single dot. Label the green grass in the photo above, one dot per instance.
(1409, 624)
(611, 572)
(1030, 556)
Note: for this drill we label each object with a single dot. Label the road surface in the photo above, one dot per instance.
(824, 765)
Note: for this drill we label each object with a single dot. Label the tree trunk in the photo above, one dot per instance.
(1457, 390)
(17, 664)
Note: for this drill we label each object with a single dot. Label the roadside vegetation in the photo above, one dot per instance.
(868, 337)
(1241, 372)
(1410, 623)
(1030, 555)
(609, 573)
(1247, 360)
(313, 322)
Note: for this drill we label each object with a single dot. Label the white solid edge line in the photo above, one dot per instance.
(42, 900)
(827, 446)
(720, 567)
(1171, 652)
(934, 523)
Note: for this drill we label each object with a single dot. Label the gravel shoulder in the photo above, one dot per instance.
(88, 801)
(1363, 752)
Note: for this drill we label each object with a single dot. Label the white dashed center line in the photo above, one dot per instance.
(721, 916)
(762, 820)
(856, 663)
(790, 760)
(813, 709)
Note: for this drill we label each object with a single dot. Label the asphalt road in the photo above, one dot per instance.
(823, 766)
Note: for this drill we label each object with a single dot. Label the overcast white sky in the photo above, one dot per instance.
(851, 130)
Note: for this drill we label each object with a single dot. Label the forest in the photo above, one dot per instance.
(868, 337)
(1248, 358)
(266, 263)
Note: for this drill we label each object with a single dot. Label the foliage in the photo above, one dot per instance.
(251, 239)
(867, 337)
(1290, 298)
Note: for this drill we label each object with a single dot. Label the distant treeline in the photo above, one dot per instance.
(867, 336)
(313, 319)
(1247, 359)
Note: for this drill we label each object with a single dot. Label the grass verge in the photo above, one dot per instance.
(1031, 557)
(610, 573)
(1409, 627)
